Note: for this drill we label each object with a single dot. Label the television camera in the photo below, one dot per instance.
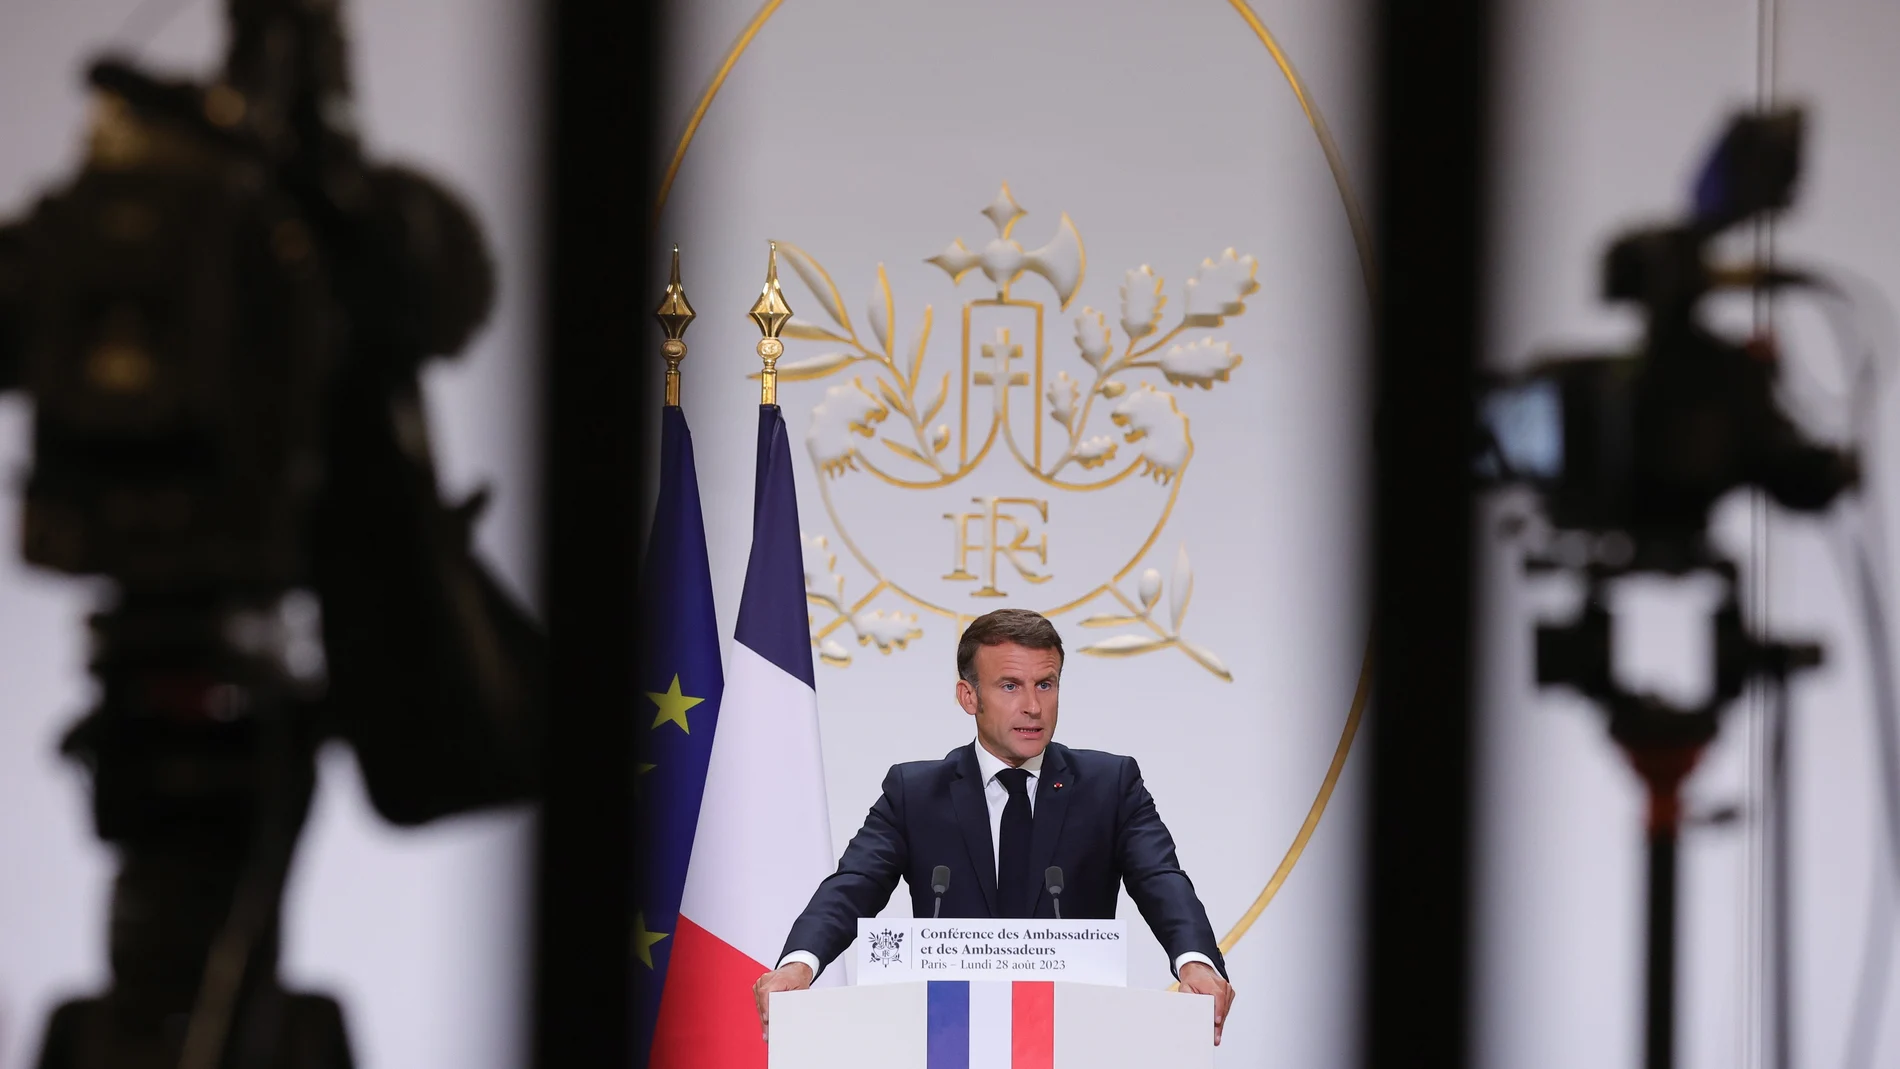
(220, 323)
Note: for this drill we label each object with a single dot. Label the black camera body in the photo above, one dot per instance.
(182, 336)
(1644, 444)
(1628, 453)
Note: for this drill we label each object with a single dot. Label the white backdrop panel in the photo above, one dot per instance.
(874, 134)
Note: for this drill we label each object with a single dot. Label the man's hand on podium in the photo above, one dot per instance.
(1201, 979)
(791, 976)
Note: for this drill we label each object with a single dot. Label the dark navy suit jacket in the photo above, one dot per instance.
(1093, 817)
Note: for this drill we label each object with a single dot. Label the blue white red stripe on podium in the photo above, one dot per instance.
(984, 1025)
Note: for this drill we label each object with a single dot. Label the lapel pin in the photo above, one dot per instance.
(1056, 786)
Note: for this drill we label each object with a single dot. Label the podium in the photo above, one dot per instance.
(985, 1024)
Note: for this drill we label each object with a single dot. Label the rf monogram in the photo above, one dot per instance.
(992, 532)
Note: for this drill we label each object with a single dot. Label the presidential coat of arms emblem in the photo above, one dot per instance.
(983, 462)
(887, 947)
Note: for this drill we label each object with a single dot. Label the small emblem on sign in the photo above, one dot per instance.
(887, 947)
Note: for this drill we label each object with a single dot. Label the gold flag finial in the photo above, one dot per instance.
(770, 312)
(675, 315)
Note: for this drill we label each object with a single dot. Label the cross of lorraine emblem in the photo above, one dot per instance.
(958, 477)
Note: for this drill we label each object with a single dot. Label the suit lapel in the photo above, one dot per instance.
(973, 818)
(1052, 804)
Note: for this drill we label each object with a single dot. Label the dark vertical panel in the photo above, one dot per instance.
(1433, 62)
(603, 62)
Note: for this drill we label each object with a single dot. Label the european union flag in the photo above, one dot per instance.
(681, 675)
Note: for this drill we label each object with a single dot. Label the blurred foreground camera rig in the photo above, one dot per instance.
(1627, 455)
(220, 322)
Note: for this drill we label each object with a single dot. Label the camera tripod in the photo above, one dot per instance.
(201, 752)
(1663, 743)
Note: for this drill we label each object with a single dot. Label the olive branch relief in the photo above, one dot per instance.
(1129, 365)
(824, 589)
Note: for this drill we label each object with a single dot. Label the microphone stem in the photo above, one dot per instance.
(937, 909)
(1056, 901)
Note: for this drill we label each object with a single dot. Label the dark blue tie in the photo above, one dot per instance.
(1015, 891)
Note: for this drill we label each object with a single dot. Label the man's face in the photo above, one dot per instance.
(1014, 700)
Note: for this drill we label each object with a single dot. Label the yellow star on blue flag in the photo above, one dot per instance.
(673, 705)
(643, 940)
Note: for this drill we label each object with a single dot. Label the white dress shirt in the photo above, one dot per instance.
(996, 796)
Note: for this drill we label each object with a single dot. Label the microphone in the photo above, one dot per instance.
(939, 883)
(1052, 879)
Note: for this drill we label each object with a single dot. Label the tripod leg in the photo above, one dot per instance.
(1659, 1050)
(1781, 826)
(71, 1033)
(313, 1034)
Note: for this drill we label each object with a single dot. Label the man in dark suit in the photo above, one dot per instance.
(998, 813)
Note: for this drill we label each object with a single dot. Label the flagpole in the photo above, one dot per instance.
(770, 312)
(675, 315)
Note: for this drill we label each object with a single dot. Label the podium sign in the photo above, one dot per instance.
(1077, 951)
(962, 1024)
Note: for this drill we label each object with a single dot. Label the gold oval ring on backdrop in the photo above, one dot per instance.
(1362, 242)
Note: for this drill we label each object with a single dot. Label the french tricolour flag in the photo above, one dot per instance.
(981, 1025)
(764, 837)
